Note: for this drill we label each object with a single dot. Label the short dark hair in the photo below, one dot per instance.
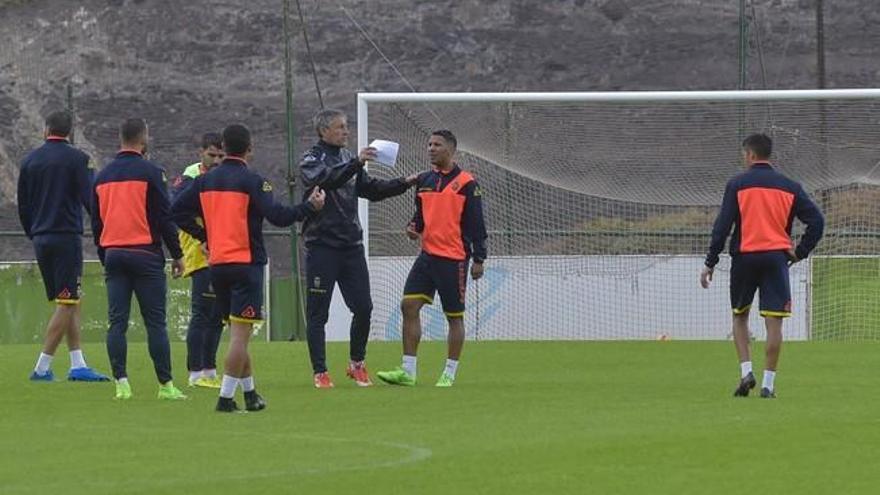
(132, 129)
(759, 144)
(447, 135)
(212, 139)
(236, 139)
(59, 123)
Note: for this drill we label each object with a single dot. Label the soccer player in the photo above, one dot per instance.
(205, 325)
(760, 204)
(334, 241)
(131, 220)
(54, 184)
(233, 200)
(449, 219)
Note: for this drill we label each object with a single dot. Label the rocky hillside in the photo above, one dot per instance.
(189, 67)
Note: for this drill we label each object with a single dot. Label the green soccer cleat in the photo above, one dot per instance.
(397, 377)
(170, 392)
(123, 391)
(205, 382)
(445, 381)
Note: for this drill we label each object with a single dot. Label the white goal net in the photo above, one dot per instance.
(599, 208)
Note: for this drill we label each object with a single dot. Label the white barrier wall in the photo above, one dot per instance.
(577, 298)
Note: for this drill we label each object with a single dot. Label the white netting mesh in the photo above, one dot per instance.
(599, 213)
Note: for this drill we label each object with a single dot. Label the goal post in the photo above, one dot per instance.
(600, 205)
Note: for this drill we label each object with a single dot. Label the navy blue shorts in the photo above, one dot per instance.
(239, 290)
(61, 262)
(430, 274)
(765, 271)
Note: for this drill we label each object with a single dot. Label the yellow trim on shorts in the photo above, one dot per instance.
(780, 314)
(744, 309)
(67, 302)
(423, 297)
(239, 319)
(459, 314)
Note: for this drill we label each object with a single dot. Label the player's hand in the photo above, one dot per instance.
(367, 154)
(317, 198)
(411, 231)
(412, 179)
(477, 271)
(204, 247)
(177, 268)
(706, 276)
(792, 256)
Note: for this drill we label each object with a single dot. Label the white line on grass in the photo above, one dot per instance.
(412, 454)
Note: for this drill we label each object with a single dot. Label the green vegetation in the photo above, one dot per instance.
(845, 294)
(523, 418)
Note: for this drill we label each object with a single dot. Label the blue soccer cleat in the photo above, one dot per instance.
(85, 375)
(45, 377)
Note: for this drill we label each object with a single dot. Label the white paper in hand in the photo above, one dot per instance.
(386, 152)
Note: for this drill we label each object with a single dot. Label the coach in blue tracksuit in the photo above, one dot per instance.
(54, 184)
(334, 240)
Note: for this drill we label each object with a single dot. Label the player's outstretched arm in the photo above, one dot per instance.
(315, 172)
(378, 189)
(282, 215)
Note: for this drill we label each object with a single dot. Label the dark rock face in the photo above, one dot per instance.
(191, 67)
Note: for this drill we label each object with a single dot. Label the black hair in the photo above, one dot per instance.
(132, 129)
(759, 144)
(236, 139)
(212, 139)
(59, 123)
(447, 136)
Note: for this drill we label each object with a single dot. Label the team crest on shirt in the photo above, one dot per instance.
(266, 186)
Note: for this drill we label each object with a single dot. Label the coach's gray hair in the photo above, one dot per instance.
(324, 118)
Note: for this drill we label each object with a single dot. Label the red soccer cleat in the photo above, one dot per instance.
(358, 373)
(322, 380)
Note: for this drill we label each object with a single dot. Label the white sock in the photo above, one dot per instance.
(44, 362)
(227, 388)
(745, 368)
(209, 373)
(247, 384)
(122, 380)
(409, 365)
(194, 375)
(769, 378)
(451, 367)
(77, 360)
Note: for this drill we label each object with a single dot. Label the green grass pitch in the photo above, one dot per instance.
(524, 417)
